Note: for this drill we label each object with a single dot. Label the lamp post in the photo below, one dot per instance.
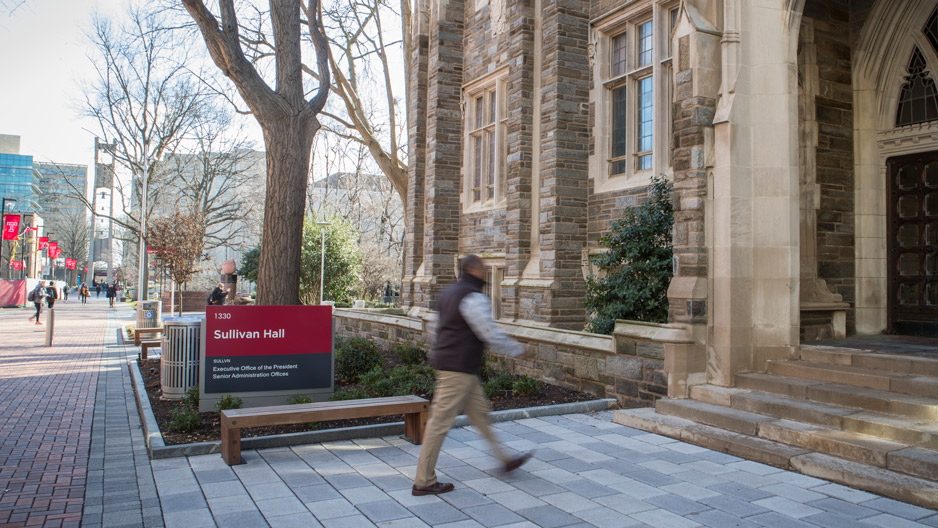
(3, 211)
(322, 259)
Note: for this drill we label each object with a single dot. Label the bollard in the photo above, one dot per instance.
(50, 324)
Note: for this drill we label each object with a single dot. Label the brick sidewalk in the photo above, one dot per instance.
(47, 400)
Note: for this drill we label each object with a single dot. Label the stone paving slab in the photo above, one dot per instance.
(586, 471)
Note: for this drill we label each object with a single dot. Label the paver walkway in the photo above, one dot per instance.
(57, 461)
(46, 406)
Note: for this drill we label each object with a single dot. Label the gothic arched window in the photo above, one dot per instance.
(918, 100)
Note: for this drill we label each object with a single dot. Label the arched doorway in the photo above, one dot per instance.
(896, 167)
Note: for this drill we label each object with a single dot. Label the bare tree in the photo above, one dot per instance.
(289, 122)
(178, 241)
(210, 175)
(369, 113)
(360, 51)
(71, 232)
(143, 98)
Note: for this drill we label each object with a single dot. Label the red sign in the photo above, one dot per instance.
(70, 263)
(11, 226)
(17, 265)
(265, 330)
(267, 348)
(58, 252)
(43, 243)
(53, 247)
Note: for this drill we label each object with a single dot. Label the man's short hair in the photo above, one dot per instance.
(470, 262)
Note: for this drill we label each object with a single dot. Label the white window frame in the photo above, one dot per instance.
(604, 31)
(492, 86)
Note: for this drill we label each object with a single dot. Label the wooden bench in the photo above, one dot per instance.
(139, 334)
(415, 409)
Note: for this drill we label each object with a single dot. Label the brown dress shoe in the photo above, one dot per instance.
(516, 462)
(432, 489)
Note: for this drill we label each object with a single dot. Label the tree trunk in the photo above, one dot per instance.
(288, 142)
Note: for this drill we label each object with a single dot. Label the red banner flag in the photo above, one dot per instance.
(11, 226)
(43, 243)
(58, 253)
(70, 263)
(52, 247)
(17, 265)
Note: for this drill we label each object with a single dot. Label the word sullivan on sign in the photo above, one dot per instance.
(238, 334)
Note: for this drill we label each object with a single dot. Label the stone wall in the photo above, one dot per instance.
(605, 208)
(628, 366)
(835, 163)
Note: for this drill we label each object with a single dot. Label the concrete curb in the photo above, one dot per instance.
(158, 449)
(151, 431)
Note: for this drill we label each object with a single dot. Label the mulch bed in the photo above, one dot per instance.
(210, 431)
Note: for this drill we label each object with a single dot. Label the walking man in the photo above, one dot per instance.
(36, 296)
(463, 329)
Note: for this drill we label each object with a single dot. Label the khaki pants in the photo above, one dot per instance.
(456, 392)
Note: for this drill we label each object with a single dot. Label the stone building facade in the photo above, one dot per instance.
(801, 137)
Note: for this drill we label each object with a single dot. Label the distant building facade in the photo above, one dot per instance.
(16, 176)
(60, 184)
(239, 178)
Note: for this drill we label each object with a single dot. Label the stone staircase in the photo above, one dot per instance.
(864, 419)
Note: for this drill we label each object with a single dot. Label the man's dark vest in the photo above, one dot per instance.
(457, 349)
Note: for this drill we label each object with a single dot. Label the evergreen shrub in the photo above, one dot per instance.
(638, 265)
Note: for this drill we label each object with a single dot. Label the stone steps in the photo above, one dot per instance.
(871, 360)
(870, 399)
(902, 486)
(863, 419)
(860, 377)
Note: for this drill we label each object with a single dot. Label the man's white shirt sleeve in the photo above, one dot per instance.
(476, 309)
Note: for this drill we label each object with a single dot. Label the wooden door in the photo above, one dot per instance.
(912, 244)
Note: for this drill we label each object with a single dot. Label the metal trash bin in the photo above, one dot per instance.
(148, 316)
(179, 358)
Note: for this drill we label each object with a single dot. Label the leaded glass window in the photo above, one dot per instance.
(931, 30)
(619, 123)
(918, 99)
(645, 124)
(486, 159)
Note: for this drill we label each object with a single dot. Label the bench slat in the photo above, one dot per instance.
(323, 411)
(367, 402)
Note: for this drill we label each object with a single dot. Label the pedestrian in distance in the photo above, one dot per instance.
(111, 294)
(51, 294)
(65, 293)
(97, 290)
(36, 296)
(217, 297)
(462, 330)
(83, 294)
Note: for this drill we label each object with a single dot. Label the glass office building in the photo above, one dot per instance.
(16, 181)
(60, 183)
